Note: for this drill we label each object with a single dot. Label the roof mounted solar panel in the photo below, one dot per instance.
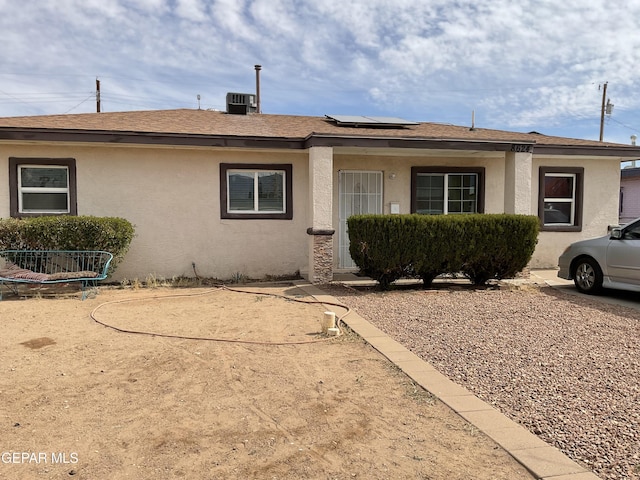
(364, 121)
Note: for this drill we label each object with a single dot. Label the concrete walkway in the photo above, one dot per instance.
(550, 277)
(541, 459)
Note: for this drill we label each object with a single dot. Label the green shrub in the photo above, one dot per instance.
(11, 234)
(370, 237)
(499, 246)
(111, 234)
(482, 246)
(437, 247)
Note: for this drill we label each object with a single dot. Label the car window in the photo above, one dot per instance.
(632, 233)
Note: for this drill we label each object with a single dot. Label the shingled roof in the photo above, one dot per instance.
(215, 128)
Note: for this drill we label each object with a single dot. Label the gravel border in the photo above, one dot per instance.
(565, 367)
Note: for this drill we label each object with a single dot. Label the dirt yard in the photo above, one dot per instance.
(81, 400)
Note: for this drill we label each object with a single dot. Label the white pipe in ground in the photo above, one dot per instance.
(328, 321)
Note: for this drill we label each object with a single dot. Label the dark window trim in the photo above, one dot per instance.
(15, 162)
(577, 219)
(477, 170)
(288, 169)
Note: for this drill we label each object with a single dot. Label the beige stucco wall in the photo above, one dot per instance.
(601, 186)
(398, 189)
(517, 184)
(600, 205)
(172, 196)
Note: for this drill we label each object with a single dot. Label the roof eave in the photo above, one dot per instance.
(148, 138)
(152, 138)
(312, 140)
(622, 151)
(316, 140)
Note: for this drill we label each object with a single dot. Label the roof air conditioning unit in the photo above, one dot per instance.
(241, 103)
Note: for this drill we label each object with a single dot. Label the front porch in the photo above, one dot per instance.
(351, 181)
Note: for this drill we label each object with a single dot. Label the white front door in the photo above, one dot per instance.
(360, 192)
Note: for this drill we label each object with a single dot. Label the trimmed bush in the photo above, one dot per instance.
(371, 237)
(111, 234)
(482, 246)
(500, 246)
(437, 247)
(11, 234)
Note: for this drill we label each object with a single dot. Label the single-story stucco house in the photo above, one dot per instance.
(258, 194)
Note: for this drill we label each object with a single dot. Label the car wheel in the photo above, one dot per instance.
(588, 276)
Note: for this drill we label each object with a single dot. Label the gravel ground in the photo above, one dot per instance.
(565, 367)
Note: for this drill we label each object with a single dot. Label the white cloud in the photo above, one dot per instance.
(193, 10)
(526, 64)
(151, 6)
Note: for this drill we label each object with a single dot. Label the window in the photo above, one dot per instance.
(42, 186)
(632, 233)
(256, 191)
(560, 198)
(441, 190)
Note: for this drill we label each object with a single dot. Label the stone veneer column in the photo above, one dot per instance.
(320, 214)
(321, 268)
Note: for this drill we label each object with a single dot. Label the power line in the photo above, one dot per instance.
(32, 101)
(633, 129)
(73, 108)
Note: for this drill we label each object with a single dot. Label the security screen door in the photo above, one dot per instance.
(359, 192)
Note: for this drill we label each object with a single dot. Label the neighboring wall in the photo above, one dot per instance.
(630, 190)
(172, 196)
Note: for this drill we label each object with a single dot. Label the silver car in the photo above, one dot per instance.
(612, 261)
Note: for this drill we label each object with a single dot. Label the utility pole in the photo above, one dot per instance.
(608, 109)
(604, 94)
(97, 95)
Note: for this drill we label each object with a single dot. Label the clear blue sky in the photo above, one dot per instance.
(521, 65)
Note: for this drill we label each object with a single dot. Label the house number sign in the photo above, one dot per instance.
(522, 148)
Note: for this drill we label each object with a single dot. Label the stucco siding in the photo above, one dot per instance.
(600, 205)
(172, 196)
(517, 184)
(397, 179)
(600, 199)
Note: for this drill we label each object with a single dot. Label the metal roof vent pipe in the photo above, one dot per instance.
(258, 68)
